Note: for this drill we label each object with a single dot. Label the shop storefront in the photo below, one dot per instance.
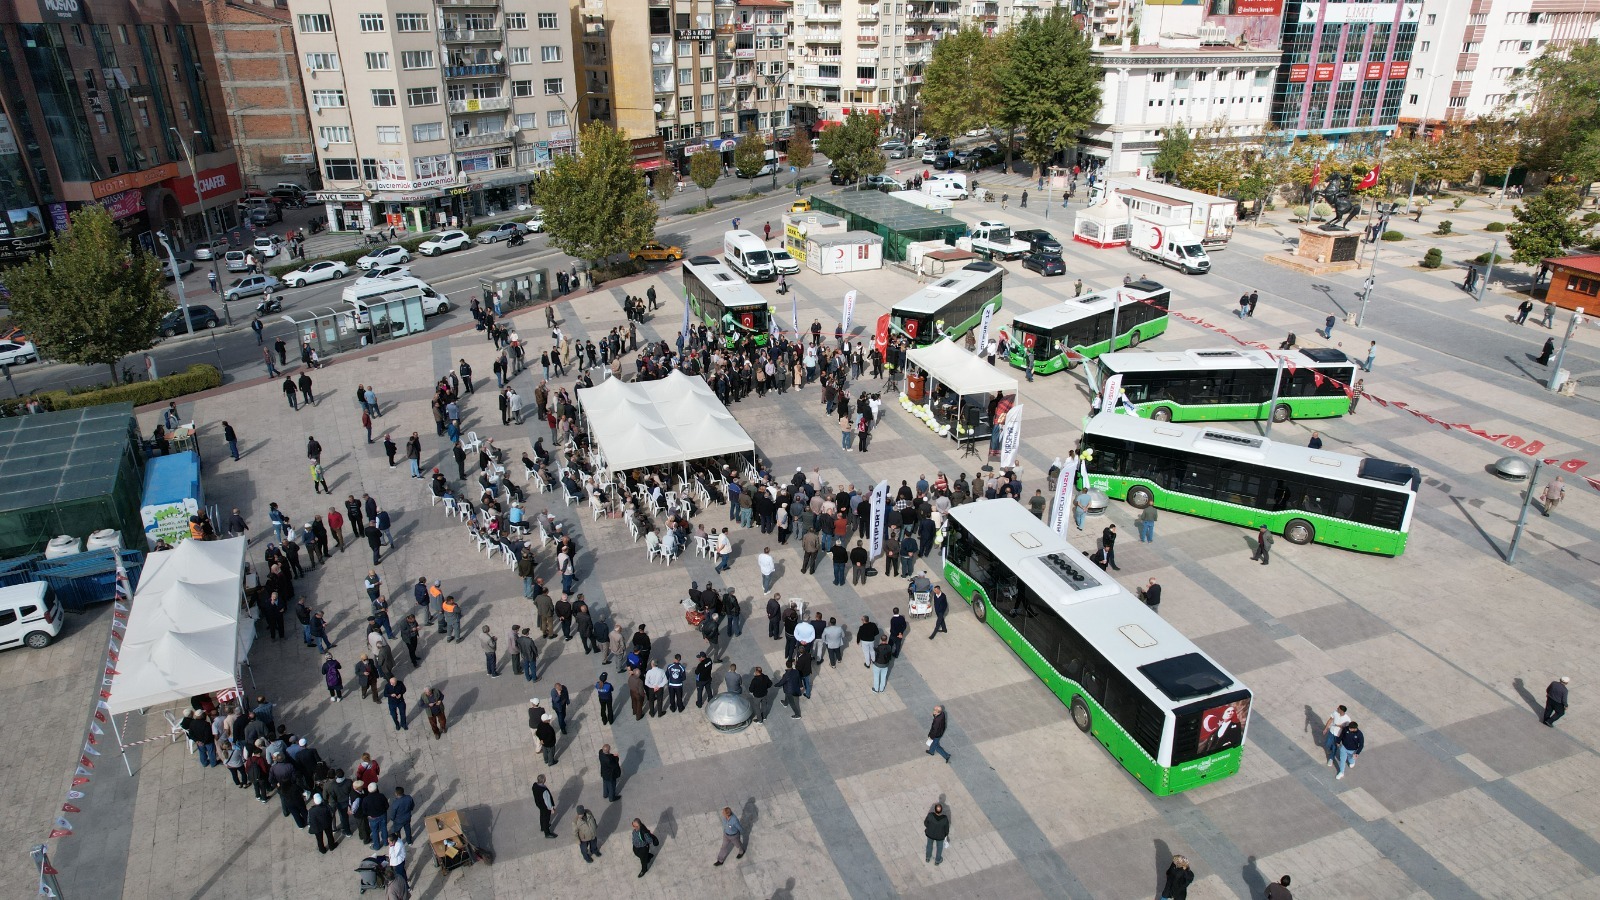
(446, 201)
(220, 189)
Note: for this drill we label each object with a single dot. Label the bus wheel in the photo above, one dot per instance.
(980, 608)
(1161, 414)
(1133, 340)
(1139, 497)
(1280, 413)
(1299, 531)
(1080, 715)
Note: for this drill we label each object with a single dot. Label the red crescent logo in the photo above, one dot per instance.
(748, 320)
(1156, 244)
(911, 327)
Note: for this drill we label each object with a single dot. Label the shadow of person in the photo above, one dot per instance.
(786, 892)
(1528, 697)
(1255, 882)
(1163, 859)
(1313, 722)
(668, 823)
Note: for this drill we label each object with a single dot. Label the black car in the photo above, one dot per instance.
(200, 315)
(1040, 240)
(985, 156)
(834, 177)
(941, 144)
(1044, 263)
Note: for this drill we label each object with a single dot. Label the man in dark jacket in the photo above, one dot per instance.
(774, 618)
(320, 819)
(761, 692)
(897, 632)
(936, 827)
(375, 807)
(1555, 700)
(610, 774)
(703, 691)
(546, 802)
(793, 687)
(936, 734)
(286, 778)
(941, 608)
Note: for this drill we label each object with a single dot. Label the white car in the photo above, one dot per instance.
(392, 255)
(786, 264)
(268, 246)
(535, 225)
(317, 271)
(13, 352)
(444, 242)
(501, 232)
(978, 132)
(384, 273)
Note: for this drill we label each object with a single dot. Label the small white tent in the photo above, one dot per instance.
(670, 420)
(960, 371)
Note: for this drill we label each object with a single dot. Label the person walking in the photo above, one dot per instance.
(1327, 328)
(1549, 348)
(1147, 525)
(941, 608)
(882, 656)
(793, 686)
(936, 734)
(332, 677)
(1372, 355)
(1263, 545)
(583, 826)
(1331, 729)
(232, 437)
(936, 828)
(644, 843)
(1351, 743)
(1279, 890)
(1555, 700)
(1108, 540)
(1179, 877)
(490, 646)
(732, 833)
(1553, 493)
(605, 692)
(610, 774)
(761, 693)
(1523, 308)
(433, 707)
(546, 802)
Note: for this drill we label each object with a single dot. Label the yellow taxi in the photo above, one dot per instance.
(656, 252)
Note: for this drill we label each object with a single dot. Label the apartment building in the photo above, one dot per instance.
(687, 76)
(1469, 55)
(431, 112)
(264, 98)
(1345, 67)
(859, 56)
(101, 103)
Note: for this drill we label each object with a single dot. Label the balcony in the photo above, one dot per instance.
(830, 14)
(866, 82)
(866, 37)
(823, 37)
(661, 3)
(480, 70)
(921, 37)
(744, 79)
(494, 3)
(821, 80)
(867, 15)
(471, 35)
(490, 139)
(480, 104)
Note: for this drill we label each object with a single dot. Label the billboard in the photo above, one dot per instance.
(1256, 23)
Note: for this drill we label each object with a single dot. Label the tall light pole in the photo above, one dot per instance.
(1561, 355)
(1522, 519)
(183, 300)
(1483, 285)
(205, 219)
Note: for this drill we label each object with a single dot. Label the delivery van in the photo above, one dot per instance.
(748, 255)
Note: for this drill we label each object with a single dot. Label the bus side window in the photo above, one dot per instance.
(1281, 496)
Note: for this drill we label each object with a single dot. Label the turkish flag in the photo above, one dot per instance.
(880, 338)
(1316, 175)
(747, 320)
(1027, 339)
(1371, 178)
(911, 327)
(1316, 378)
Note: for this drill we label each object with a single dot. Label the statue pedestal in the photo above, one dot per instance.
(1320, 252)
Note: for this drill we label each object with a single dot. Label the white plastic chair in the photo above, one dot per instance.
(471, 442)
(634, 528)
(540, 483)
(702, 547)
(595, 507)
(464, 510)
(449, 506)
(652, 543)
(544, 536)
(567, 495)
(484, 541)
(528, 474)
(510, 556)
(433, 499)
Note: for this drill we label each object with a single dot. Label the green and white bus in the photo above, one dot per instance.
(1232, 384)
(951, 306)
(1167, 712)
(1306, 495)
(726, 303)
(1081, 327)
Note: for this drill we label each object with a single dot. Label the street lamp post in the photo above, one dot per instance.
(183, 299)
(1522, 519)
(1561, 355)
(1483, 285)
(205, 219)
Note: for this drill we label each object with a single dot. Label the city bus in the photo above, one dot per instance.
(1229, 383)
(1081, 327)
(1167, 712)
(1306, 495)
(725, 302)
(951, 306)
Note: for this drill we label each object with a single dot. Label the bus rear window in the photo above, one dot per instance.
(1189, 675)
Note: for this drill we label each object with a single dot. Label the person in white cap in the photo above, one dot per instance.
(320, 823)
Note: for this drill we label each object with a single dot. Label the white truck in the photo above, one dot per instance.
(1211, 218)
(1168, 242)
(924, 200)
(993, 240)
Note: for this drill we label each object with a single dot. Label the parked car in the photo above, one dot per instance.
(1040, 240)
(268, 214)
(444, 242)
(236, 262)
(184, 267)
(317, 271)
(977, 132)
(384, 273)
(1045, 263)
(16, 352)
(500, 232)
(766, 169)
(393, 254)
(786, 264)
(894, 149)
(945, 161)
(930, 158)
(200, 316)
(206, 250)
(249, 286)
(656, 252)
(288, 196)
(835, 177)
(941, 144)
(882, 183)
(268, 245)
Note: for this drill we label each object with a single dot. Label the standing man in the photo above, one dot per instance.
(882, 656)
(610, 774)
(898, 626)
(941, 608)
(1372, 355)
(1555, 700)
(732, 831)
(584, 827)
(867, 638)
(643, 842)
(793, 686)
(936, 828)
(768, 567)
(1147, 525)
(761, 692)
(605, 692)
(936, 734)
(395, 692)
(677, 677)
(1553, 493)
(560, 699)
(433, 706)
(1263, 545)
(655, 681)
(546, 802)
(1108, 539)
(490, 645)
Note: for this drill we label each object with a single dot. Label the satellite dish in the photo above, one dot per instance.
(655, 47)
(515, 129)
(802, 228)
(498, 56)
(323, 144)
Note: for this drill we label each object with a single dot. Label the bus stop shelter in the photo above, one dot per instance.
(951, 391)
(335, 329)
(514, 291)
(899, 223)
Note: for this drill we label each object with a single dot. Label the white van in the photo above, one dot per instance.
(944, 189)
(29, 614)
(748, 255)
(362, 296)
(959, 179)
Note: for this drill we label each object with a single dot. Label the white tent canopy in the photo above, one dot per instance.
(671, 420)
(187, 630)
(960, 371)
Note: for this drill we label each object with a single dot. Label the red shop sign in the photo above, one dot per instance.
(1374, 71)
(1298, 72)
(214, 183)
(1399, 70)
(1326, 71)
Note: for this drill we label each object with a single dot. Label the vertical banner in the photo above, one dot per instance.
(1061, 512)
(772, 322)
(794, 312)
(880, 338)
(1011, 437)
(685, 330)
(880, 509)
(849, 311)
(1109, 394)
(983, 328)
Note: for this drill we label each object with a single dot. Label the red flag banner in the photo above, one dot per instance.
(1316, 175)
(1371, 178)
(68, 807)
(59, 832)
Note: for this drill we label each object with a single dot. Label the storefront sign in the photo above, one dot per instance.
(298, 159)
(1359, 12)
(133, 180)
(1399, 70)
(1299, 72)
(61, 10)
(1348, 71)
(337, 196)
(213, 183)
(59, 217)
(416, 184)
(1325, 71)
(1374, 71)
(125, 204)
(694, 34)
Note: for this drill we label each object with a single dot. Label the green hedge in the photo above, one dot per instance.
(1482, 259)
(1433, 259)
(1393, 236)
(620, 269)
(1496, 227)
(198, 377)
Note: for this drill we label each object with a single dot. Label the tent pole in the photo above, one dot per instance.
(122, 746)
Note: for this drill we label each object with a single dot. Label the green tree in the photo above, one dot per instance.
(595, 203)
(91, 299)
(852, 147)
(960, 88)
(1544, 226)
(800, 152)
(1049, 84)
(705, 168)
(1563, 85)
(1494, 146)
(1173, 155)
(664, 183)
(749, 154)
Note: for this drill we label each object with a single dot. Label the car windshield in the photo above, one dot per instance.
(759, 257)
(1193, 251)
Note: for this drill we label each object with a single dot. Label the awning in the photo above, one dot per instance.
(647, 423)
(960, 371)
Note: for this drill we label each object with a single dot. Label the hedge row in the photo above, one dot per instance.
(198, 377)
